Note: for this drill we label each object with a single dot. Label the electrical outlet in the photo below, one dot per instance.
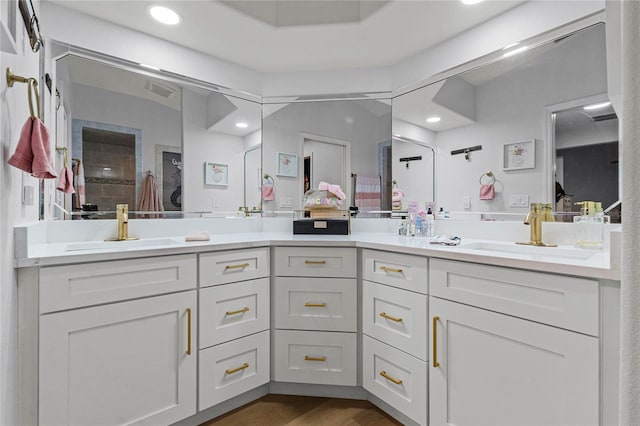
(27, 195)
(286, 202)
(467, 202)
(518, 201)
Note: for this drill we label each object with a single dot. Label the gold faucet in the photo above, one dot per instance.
(540, 212)
(122, 214)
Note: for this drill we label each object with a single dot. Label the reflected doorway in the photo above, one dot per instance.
(328, 161)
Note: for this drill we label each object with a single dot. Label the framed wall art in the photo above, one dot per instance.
(286, 164)
(519, 155)
(216, 174)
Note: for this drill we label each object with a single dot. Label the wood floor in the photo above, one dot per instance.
(280, 410)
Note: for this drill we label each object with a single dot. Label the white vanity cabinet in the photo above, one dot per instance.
(394, 324)
(109, 342)
(315, 301)
(512, 347)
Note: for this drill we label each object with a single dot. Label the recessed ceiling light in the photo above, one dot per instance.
(151, 67)
(515, 51)
(433, 119)
(597, 106)
(242, 125)
(470, 1)
(164, 15)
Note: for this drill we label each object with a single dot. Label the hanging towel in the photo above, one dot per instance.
(78, 173)
(149, 200)
(334, 189)
(367, 193)
(32, 153)
(268, 193)
(66, 181)
(487, 192)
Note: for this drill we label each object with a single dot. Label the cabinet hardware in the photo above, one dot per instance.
(315, 305)
(435, 342)
(315, 262)
(315, 358)
(188, 331)
(235, 370)
(389, 317)
(392, 379)
(239, 311)
(387, 269)
(239, 266)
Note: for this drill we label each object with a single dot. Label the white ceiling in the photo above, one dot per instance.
(293, 35)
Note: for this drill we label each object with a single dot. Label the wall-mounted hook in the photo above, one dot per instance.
(466, 151)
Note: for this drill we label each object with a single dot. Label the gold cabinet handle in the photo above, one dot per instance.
(238, 266)
(315, 262)
(315, 305)
(239, 311)
(188, 331)
(315, 358)
(389, 317)
(387, 269)
(392, 379)
(435, 342)
(235, 370)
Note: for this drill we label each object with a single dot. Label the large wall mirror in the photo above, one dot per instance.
(117, 124)
(513, 117)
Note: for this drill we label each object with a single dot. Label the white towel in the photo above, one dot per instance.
(78, 172)
(630, 288)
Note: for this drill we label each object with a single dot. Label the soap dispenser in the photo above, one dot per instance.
(590, 223)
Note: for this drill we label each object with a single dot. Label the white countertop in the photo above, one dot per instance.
(542, 259)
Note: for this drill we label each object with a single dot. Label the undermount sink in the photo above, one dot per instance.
(120, 245)
(513, 248)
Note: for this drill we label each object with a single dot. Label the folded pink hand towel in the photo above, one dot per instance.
(268, 194)
(66, 181)
(487, 192)
(32, 153)
(23, 157)
(334, 189)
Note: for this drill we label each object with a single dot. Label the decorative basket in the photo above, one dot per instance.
(321, 200)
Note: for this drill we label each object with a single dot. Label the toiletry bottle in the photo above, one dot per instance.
(430, 224)
(590, 225)
(419, 226)
(440, 214)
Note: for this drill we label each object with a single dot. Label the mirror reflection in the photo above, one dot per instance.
(492, 119)
(126, 129)
(335, 141)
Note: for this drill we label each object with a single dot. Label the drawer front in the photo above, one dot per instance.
(233, 266)
(233, 368)
(566, 302)
(74, 286)
(315, 357)
(398, 379)
(398, 270)
(316, 304)
(233, 310)
(397, 317)
(315, 262)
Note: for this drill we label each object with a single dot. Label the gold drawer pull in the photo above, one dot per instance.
(389, 317)
(387, 269)
(188, 331)
(239, 266)
(315, 305)
(239, 311)
(315, 358)
(392, 379)
(315, 262)
(235, 370)
(435, 342)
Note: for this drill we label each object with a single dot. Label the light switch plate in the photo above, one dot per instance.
(285, 202)
(467, 202)
(27, 195)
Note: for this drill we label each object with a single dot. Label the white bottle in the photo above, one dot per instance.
(430, 224)
(440, 213)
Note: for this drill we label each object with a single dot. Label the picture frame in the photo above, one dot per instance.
(286, 164)
(519, 155)
(216, 174)
(169, 176)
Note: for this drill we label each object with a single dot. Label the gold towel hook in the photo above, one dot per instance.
(490, 175)
(32, 87)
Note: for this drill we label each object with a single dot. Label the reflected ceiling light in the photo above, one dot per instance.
(514, 51)
(597, 106)
(397, 135)
(151, 67)
(242, 125)
(433, 119)
(509, 46)
(469, 2)
(164, 15)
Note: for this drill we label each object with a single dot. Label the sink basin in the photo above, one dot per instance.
(517, 249)
(120, 245)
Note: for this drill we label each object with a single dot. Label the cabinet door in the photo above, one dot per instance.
(125, 363)
(500, 370)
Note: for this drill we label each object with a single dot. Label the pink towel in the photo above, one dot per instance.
(268, 194)
(149, 199)
(487, 192)
(334, 189)
(32, 154)
(78, 172)
(66, 181)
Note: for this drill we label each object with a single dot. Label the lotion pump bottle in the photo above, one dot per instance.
(590, 223)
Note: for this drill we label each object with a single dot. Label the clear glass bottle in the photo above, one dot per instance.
(590, 223)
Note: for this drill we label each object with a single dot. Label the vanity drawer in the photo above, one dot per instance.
(398, 379)
(232, 266)
(233, 310)
(397, 317)
(315, 357)
(316, 303)
(75, 286)
(398, 270)
(315, 262)
(233, 368)
(567, 302)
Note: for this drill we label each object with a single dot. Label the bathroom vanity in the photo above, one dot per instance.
(182, 332)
